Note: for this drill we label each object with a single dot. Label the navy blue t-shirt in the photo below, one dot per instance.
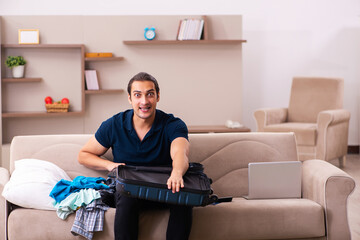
(119, 134)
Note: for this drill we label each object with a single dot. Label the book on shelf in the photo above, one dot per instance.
(190, 29)
(200, 30)
(91, 80)
(180, 28)
(98, 54)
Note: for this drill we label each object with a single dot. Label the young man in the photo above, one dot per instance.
(143, 136)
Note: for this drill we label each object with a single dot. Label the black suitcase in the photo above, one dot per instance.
(150, 183)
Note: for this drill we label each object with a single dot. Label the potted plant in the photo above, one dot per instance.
(17, 64)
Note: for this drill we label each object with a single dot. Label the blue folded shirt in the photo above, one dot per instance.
(64, 187)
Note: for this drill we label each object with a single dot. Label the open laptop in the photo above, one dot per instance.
(274, 180)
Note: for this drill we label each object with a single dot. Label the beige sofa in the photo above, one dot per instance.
(321, 213)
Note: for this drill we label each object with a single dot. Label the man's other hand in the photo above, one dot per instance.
(175, 182)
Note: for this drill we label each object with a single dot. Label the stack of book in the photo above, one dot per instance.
(190, 29)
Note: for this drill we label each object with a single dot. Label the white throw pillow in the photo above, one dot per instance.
(31, 183)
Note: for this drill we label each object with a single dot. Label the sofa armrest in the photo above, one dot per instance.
(4, 178)
(269, 116)
(330, 187)
(333, 131)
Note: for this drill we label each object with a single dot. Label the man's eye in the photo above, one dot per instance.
(151, 94)
(137, 94)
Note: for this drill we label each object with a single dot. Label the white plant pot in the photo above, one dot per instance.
(18, 71)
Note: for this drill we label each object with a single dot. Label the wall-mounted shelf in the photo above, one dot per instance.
(184, 42)
(103, 59)
(42, 45)
(39, 114)
(205, 39)
(20, 80)
(104, 91)
(24, 114)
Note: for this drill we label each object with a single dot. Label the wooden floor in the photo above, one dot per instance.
(352, 167)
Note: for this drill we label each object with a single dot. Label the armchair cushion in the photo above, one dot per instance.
(305, 132)
(309, 96)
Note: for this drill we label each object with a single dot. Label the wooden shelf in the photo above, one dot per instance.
(205, 39)
(20, 80)
(184, 42)
(103, 59)
(39, 114)
(42, 45)
(104, 91)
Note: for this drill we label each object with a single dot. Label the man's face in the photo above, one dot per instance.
(143, 99)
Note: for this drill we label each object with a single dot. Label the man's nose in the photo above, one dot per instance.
(144, 99)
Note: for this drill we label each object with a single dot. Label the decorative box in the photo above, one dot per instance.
(59, 107)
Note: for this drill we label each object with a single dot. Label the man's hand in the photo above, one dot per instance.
(113, 165)
(175, 181)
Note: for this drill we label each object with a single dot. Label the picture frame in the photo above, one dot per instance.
(29, 36)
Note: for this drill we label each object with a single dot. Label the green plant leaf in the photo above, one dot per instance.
(13, 61)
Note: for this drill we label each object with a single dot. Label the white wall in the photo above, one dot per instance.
(286, 38)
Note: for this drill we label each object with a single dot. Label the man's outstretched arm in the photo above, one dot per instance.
(179, 151)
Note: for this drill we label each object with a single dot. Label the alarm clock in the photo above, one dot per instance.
(149, 33)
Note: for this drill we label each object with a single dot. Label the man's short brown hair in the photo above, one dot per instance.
(143, 76)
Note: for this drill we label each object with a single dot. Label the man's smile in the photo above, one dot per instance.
(145, 109)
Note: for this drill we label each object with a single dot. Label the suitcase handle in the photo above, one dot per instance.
(148, 169)
(193, 168)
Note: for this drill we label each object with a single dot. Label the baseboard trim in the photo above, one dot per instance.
(353, 149)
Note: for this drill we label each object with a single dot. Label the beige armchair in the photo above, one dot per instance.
(316, 117)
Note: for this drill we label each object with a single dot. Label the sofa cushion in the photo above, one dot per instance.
(305, 133)
(259, 219)
(245, 219)
(45, 225)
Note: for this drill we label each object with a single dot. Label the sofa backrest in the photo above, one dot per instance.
(61, 150)
(310, 95)
(225, 156)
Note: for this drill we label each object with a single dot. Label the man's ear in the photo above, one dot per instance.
(129, 98)
(158, 97)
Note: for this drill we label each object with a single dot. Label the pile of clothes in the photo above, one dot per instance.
(83, 197)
